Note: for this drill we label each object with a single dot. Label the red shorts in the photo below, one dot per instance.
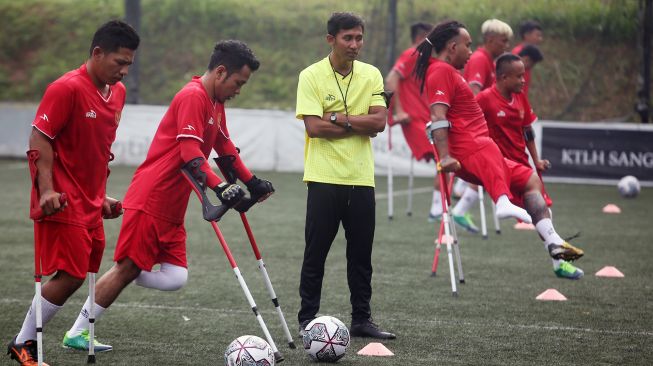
(498, 175)
(415, 136)
(147, 240)
(73, 249)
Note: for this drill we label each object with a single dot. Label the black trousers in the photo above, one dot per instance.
(327, 206)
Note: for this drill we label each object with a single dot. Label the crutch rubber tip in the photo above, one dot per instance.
(498, 232)
(455, 294)
(432, 274)
(390, 218)
(409, 214)
(91, 359)
(484, 237)
(278, 357)
(292, 345)
(462, 281)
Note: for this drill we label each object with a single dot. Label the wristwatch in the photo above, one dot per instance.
(332, 118)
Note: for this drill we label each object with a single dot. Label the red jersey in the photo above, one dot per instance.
(413, 102)
(527, 73)
(158, 187)
(506, 120)
(468, 132)
(82, 124)
(480, 69)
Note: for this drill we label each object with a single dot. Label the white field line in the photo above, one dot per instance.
(383, 196)
(229, 312)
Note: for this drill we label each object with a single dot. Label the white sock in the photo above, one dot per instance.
(556, 262)
(468, 199)
(506, 209)
(81, 324)
(545, 229)
(459, 187)
(168, 278)
(28, 330)
(436, 204)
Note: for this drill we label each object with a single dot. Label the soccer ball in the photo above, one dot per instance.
(326, 339)
(249, 350)
(628, 186)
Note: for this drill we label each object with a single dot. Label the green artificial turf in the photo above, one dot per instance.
(495, 320)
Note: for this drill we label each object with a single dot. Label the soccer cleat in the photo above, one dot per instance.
(565, 251)
(80, 343)
(433, 218)
(465, 221)
(569, 271)
(302, 327)
(24, 353)
(367, 328)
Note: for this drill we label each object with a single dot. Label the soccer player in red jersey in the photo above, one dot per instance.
(461, 136)
(70, 148)
(155, 204)
(531, 56)
(479, 73)
(531, 34)
(410, 107)
(509, 118)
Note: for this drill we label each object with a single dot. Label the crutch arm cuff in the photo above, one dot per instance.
(432, 126)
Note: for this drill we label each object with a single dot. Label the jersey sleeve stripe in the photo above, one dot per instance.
(434, 103)
(43, 132)
(190, 136)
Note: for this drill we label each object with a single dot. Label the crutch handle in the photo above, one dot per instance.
(210, 212)
(38, 215)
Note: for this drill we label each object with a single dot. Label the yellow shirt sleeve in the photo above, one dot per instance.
(308, 97)
(377, 87)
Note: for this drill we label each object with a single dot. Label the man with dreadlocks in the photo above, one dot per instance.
(460, 134)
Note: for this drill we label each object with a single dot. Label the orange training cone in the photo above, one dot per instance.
(609, 271)
(375, 349)
(444, 239)
(611, 208)
(551, 295)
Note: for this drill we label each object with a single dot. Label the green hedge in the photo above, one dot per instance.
(42, 39)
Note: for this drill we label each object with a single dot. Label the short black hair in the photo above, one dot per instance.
(419, 28)
(528, 26)
(343, 20)
(233, 55)
(504, 61)
(533, 52)
(113, 35)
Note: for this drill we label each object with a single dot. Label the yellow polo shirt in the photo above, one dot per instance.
(348, 160)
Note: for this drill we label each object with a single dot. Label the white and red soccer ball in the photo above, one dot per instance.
(249, 350)
(628, 187)
(326, 339)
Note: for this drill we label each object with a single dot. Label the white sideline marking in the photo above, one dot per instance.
(227, 312)
(383, 196)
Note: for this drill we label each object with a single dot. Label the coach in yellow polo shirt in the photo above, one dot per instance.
(341, 103)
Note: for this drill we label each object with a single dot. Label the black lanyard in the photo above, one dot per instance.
(344, 96)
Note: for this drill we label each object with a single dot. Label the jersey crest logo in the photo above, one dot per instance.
(219, 118)
(189, 128)
(330, 98)
(478, 75)
(439, 92)
(91, 114)
(211, 121)
(521, 114)
(501, 114)
(45, 117)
